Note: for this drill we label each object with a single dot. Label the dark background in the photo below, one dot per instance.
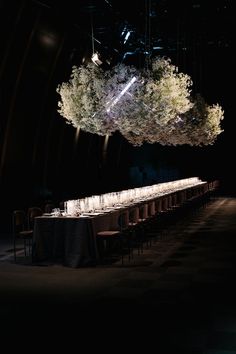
(40, 42)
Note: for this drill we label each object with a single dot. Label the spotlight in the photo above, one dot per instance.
(95, 59)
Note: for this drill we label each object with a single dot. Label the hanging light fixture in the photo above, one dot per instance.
(95, 56)
(95, 59)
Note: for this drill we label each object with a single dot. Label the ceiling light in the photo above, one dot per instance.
(96, 59)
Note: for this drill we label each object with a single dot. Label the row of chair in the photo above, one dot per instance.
(22, 227)
(132, 228)
(135, 232)
(132, 231)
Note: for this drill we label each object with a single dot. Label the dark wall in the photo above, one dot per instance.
(40, 157)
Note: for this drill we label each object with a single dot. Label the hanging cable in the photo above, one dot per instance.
(147, 41)
(95, 57)
(149, 31)
(91, 20)
(146, 29)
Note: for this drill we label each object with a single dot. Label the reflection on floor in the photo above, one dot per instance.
(180, 290)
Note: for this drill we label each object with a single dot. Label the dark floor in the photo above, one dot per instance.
(179, 295)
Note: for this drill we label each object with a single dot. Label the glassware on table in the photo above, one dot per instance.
(56, 212)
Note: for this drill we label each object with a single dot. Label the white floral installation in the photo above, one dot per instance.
(149, 105)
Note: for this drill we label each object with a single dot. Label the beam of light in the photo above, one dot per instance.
(127, 36)
(121, 93)
(106, 142)
(76, 138)
(77, 135)
(104, 152)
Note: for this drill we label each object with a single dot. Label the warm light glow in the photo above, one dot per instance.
(48, 39)
(124, 198)
(105, 142)
(77, 135)
(104, 152)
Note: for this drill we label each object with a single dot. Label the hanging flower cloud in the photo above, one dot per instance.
(201, 124)
(166, 94)
(82, 99)
(149, 105)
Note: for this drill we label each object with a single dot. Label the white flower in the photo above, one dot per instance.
(151, 105)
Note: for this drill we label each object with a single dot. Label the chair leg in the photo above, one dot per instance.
(122, 251)
(32, 252)
(129, 248)
(25, 245)
(28, 246)
(14, 247)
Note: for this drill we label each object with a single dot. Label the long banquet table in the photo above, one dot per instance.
(71, 240)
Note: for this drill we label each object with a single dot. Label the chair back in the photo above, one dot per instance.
(18, 221)
(48, 208)
(32, 213)
(122, 221)
(134, 215)
(62, 205)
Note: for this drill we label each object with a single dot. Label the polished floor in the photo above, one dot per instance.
(179, 294)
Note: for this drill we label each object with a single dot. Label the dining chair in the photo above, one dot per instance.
(31, 214)
(21, 231)
(120, 235)
(49, 207)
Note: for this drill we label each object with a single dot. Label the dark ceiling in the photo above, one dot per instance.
(42, 40)
(178, 29)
